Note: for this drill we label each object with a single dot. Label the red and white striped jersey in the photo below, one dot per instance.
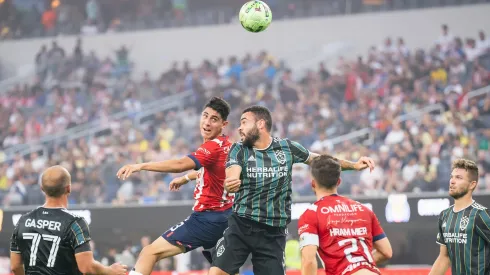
(210, 161)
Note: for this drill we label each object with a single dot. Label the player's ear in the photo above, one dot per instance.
(339, 181)
(473, 185)
(68, 189)
(225, 123)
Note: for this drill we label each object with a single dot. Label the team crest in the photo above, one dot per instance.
(464, 223)
(220, 251)
(281, 156)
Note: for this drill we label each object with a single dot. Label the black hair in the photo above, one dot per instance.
(220, 106)
(261, 112)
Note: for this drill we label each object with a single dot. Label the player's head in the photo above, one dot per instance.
(464, 178)
(214, 118)
(325, 173)
(56, 182)
(255, 120)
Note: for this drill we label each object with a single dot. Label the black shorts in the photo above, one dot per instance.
(244, 236)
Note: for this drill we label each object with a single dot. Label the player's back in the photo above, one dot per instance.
(46, 238)
(346, 229)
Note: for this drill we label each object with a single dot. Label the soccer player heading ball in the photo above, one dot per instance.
(343, 231)
(259, 172)
(464, 228)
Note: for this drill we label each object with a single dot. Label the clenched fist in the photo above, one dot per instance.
(232, 185)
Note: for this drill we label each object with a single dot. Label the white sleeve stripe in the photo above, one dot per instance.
(440, 243)
(308, 239)
(309, 156)
(18, 252)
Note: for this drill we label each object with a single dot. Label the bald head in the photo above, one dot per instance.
(54, 181)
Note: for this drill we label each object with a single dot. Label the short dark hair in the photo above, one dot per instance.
(325, 170)
(261, 112)
(220, 106)
(468, 165)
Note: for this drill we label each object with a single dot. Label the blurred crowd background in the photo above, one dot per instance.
(375, 99)
(413, 110)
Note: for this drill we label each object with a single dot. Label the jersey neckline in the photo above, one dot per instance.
(268, 146)
(472, 202)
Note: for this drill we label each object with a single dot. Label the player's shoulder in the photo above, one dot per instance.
(279, 140)
(215, 144)
(446, 211)
(480, 209)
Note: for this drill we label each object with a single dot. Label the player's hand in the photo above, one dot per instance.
(176, 183)
(127, 170)
(363, 163)
(119, 269)
(232, 185)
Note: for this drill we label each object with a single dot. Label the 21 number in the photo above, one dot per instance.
(353, 248)
(36, 238)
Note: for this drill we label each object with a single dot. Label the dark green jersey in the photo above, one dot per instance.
(265, 193)
(466, 234)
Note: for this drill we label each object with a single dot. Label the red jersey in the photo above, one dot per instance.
(344, 231)
(210, 161)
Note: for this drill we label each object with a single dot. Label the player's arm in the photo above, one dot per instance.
(166, 166)
(442, 263)
(381, 244)
(382, 250)
(176, 183)
(302, 155)
(16, 264)
(483, 225)
(233, 169)
(309, 264)
(309, 240)
(79, 237)
(361, 164)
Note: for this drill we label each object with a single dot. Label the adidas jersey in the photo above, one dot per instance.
(466, 234)
(48, 239)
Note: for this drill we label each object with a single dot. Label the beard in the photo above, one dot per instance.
(458, 195)
(251, 137)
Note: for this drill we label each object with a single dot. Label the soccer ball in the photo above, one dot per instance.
(255, 16)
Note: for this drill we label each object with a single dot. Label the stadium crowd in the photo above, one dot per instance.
(33, 18)
(413, 154)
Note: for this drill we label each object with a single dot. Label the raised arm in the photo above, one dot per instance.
(166, 166)
(361, 164)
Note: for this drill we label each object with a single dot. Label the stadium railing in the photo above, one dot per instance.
(94, 127)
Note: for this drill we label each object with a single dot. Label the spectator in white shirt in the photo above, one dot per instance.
(446, 40)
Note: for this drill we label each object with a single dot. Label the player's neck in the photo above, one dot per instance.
(263, 142)
(325, 193)
(56, 203)
(463, 202)
(208, 139)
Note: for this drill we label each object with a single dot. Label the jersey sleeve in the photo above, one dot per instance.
(79, 235)
(235, 156)
(205, 155)
(483, 225)
(378, 232)
(14, 246)
(299, 152)
(440, 236)
(308, 228)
